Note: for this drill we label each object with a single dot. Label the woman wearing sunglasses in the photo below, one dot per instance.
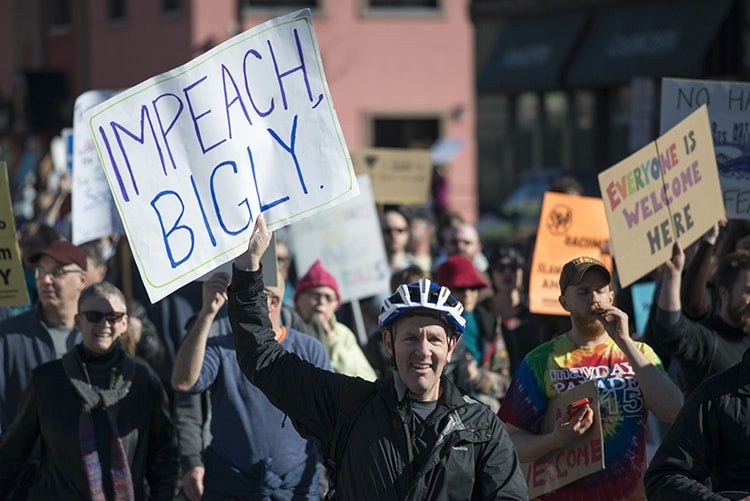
(102, 417)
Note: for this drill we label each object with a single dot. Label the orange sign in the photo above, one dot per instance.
(582, 457)
(569, 226)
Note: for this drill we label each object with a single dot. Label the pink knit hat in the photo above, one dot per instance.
(457, 272)
(317, 276)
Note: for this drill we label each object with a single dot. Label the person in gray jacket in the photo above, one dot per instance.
(411, 435)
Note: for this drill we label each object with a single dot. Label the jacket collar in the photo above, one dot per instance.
(744, 374)
(118, 388)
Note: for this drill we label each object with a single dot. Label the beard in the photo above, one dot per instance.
(739, 317)
(588, 326)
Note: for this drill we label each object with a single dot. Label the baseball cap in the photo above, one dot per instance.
(573, 271)
(458, 272)
(62, 251)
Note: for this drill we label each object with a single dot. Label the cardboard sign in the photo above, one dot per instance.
(13, 291)
(94, 211)
(582, 457)
(398, 176)
(643, 298)
(193, 155)
(569, 227)
(348, 241)
(728, 104)
(666, 192)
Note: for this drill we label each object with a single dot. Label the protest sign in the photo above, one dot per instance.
(94, 214)
(582, 457)
(643, 297)
(569, 227)
(398, 176)
(193, 155)
(13, 291)
(728, 104)
(348, 241)
(666, 192)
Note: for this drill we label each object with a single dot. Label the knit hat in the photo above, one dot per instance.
(458, 272)
(573, 271)
(62, 251)
(317, 276)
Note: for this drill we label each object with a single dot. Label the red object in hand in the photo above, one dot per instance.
(575, 407)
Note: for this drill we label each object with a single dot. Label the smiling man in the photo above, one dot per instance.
(411, 435)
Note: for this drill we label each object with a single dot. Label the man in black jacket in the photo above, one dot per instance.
(709, 438)
(412, 435)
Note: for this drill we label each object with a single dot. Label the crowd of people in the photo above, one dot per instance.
(230, 388)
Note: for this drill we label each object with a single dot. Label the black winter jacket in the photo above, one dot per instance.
(709, 438)
(473, 457)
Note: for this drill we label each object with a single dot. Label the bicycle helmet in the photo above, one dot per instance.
(423, 296)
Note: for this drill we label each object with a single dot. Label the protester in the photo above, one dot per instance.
(421, 245)
(317, 299)
(704, 349)
(45, 332)
(412, 435)
(102, 417)
(521, 330)
(630, 382)
(251, 454)
(396, 234)
(698, 292)
(96, 267)
(483, 354)
(709, 440)
(465, 241)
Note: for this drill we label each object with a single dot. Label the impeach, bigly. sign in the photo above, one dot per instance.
(193, 155)
(666, 192)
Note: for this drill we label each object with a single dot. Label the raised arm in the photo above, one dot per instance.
(189, 359)
(695, 304)
(669, 296)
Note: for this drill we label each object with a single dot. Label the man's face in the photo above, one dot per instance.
(585, 299)
(421, 348)
(101, 321)
(320, 300)
(395, 231)
(465, 241)
(58, 285)
(736, 299)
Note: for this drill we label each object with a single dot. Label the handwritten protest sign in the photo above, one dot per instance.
(666, 192)
(13, 291)
(193, 155)
(582, 457)
(728, 104)
(348, 240)
(398, 176)
(94, 212)
(569, 227)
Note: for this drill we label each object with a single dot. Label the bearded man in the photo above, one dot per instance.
(717, 343)
(630, 382)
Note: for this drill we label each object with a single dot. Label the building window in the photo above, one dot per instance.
(116, 10)
(171, 6)
(405, 132)
(60, 13)
(401, 8)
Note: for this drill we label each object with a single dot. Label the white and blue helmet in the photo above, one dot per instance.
(423, 296)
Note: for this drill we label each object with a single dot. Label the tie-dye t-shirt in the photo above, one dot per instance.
(558, 365)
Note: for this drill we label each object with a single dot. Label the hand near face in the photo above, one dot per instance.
(615, 322)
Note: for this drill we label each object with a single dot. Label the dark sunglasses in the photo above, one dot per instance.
(96, 316)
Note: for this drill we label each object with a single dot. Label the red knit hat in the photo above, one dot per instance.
(458, 272)
(317, 276)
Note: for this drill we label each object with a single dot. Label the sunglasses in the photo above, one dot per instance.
(96, 316)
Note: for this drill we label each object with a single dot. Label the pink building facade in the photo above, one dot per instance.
(396, 74)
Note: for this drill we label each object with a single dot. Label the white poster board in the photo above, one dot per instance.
(348, 241)
(193, 155)
(728, 104)
(94, 214)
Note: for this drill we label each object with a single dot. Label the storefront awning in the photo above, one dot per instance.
(651, 39)
(531, 53)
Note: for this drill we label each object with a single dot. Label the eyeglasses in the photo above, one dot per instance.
(96, 316)
(398, 231)
(40, 273)
(507, 267)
